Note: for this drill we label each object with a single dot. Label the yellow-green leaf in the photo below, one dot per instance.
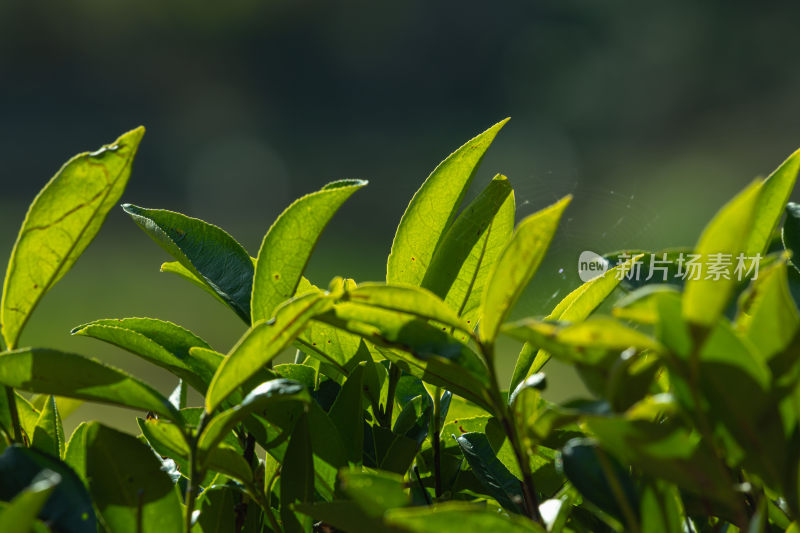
(516, 266)
(706, 298)
(265, 340)
(432, 208)
(288, 245)
(460, 267)
(61, 222)
(772, 198)
(575, 306)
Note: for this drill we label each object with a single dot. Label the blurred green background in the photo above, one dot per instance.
(652, 114)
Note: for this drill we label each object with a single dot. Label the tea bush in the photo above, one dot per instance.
(392, 416)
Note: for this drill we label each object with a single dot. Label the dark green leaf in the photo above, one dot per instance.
(20, 515)
(347, 415)
(495, 477)
(134, 494)
(601, 480)
(297, 478)
(205, 250)
(69, 507)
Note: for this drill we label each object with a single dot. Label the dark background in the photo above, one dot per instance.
(652, 114)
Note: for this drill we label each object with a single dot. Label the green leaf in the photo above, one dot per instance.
(375, 492)
(661, 509)
(49, 433)
(297, 478)
(772, 198)
(601, 480)
(134, 494)
(61, 222)
(455, 517)
(217, 507)
(264, 341)
(409, 300)
(790, 233)
(704, 300)
(28, 415)
(262, 397)
(20, 515)
(159, 342)
(69, 507)
(75, 454)
(175, 267)
(53, 372)
(432, 209)
(347, 414)
(205, 250)
(576, 306)
(495, 477)
(585, 342)
(516, 266)
(460, 266)
(419, 348)
(768, 316)
(288, 245)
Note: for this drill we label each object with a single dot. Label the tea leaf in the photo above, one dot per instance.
(455, 517)
(772, 198)
(432, 209)
(347, 414)
(262, 397)
(516, 266)
(768, 315)
(20, 514)
(288, 245)
(297, 478)
(134, 494)
(49, 433)
(264, 341)
(461, 264)
(175, 267)
(69, 507)
(601, 480)
(406, 299)
(61, 222)
(575, 306)
(162, 343)
(53, 372)
(205, 250)
(705, 299)
(495, 477)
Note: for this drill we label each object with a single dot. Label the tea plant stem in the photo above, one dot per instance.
(191, 484)
(503, 412)
(191, 489)
(699, 337)
(12, 407)
(435, 438)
